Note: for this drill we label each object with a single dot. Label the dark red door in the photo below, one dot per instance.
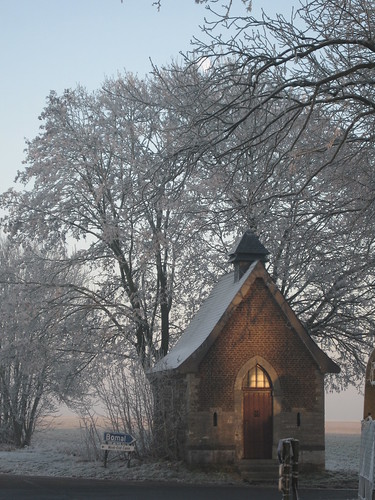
(257, 423)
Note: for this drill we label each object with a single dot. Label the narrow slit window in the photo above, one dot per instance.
(215, 419)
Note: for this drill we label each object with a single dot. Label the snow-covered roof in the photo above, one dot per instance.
(204, 322)
(214, 313)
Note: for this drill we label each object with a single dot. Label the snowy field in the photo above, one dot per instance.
(342, 452)
(66, 451)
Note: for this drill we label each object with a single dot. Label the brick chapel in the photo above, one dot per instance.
(245, 373)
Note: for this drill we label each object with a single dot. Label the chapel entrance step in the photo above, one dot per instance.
(259, 471)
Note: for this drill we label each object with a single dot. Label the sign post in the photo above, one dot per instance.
(288, 452)
(117, 441)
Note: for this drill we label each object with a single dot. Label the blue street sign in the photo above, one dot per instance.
(118, 438)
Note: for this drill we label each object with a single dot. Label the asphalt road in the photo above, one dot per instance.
(48, 488)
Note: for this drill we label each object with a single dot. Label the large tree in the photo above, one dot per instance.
(284, 134)
(102, 172)
(45, 341)
(155, 177)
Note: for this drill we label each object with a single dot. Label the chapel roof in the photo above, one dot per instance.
(214, 313)
(204, 321)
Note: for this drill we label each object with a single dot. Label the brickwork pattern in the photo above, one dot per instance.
(257, 328)
(170, 414)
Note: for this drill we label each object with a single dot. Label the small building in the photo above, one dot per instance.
(369, 399)
(244, 374)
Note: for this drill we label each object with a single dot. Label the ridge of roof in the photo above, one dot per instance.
(325, 363)
(204, 321)
(213, 315)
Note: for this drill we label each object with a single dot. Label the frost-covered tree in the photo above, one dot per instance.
(155, 177)
(103, 172)
(284, 136)
(43, 346)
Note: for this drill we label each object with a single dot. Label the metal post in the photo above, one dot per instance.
(288, 451)
(295, 458)
(286, 471)
(284, 458)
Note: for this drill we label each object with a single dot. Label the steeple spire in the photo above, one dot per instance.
(246, 250)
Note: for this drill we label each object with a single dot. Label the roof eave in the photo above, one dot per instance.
(191, 364)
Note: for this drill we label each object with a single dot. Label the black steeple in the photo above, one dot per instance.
(246, 250)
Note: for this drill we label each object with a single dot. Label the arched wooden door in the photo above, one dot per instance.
(257, 414)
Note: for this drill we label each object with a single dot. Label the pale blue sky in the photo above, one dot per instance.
(57, 44)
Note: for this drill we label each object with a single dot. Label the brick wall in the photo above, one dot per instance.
(170, 414)
(206, 414)
(257, 328)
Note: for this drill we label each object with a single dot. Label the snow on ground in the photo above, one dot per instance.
(342, 452)
(62, 450)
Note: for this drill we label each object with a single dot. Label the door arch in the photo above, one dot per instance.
(257, 410)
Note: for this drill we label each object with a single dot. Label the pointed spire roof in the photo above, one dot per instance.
(248, 248)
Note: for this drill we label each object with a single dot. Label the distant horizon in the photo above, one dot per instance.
(73, 421)
(343, 428)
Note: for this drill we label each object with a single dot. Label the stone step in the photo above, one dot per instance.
(259, 471)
